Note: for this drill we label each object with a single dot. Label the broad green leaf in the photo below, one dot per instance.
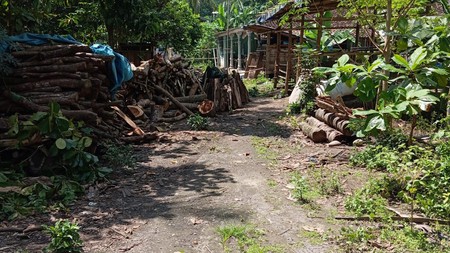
(401, 61)
(416, 93)
(38, 116)
(402, 106)
(323, 70)
(438, 71)
(374, 65)
(376, 122)
(343, 60)
(417, 57)
(402, 25)
(60, 143)
(3, 178)
(87, 141)
(393, 69)
(13, 123)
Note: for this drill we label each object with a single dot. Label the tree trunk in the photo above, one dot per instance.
(332, 120)
(331, 133)
(314, 133)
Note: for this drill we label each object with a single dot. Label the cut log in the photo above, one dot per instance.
(332, 120)
(136, 111)
(206, 108)
(316, 134)
(173, 119)
(83, 115)
(64, 83)
(137, 130)
(174, 100)
(171, 113)
(331, 133)
(72, 68)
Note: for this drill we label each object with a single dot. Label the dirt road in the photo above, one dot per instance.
(193, 182)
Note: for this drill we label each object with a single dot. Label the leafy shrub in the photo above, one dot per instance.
(197, 122)
(367, 201)
(65, 237)
(67, 145)
(417, 175)
(302, 191)
(294, 108)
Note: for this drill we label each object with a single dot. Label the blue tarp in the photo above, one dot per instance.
(119, 68)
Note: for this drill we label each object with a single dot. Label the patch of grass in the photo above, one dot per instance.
(302, 191)
(314, 237)
(263, 147)
(328, 183)
(395, 237)
(272, 183)
(259, 87)
(367, 201)
(248, 238)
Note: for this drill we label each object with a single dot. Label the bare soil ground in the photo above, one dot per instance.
(189, 183)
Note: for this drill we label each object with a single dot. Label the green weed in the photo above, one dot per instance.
(249, 239)
(302, 191)
(272, 183)
(197, 122)
(65, 237)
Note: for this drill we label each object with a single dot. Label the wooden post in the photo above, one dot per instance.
(319, 36)
(219, 60)
(225, 51)
(249, 45)
(277, 61)
(357, 34)
(231, 52)
(299, 57)
(266, 67)
(239, 64)
(289, 61)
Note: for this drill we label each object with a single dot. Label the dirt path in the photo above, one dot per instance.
(190, 183)
(194, 182)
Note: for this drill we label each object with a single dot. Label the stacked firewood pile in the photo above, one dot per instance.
(75, 78)
(168, 90)
(330, 121)
(162, 90)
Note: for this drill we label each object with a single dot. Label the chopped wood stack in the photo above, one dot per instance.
(227, 93)
(168, 90)
(70, 75)
(330, 121)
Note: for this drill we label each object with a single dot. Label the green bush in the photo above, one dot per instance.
(197, 122)
(65, 237)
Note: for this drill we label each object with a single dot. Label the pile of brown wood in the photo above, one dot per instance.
(168, 90)
(162, 90)
(330, 121)
(72, 76)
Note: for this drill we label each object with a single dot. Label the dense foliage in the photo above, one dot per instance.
(160, 23)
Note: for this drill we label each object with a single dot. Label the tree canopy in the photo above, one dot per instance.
(160, 23)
